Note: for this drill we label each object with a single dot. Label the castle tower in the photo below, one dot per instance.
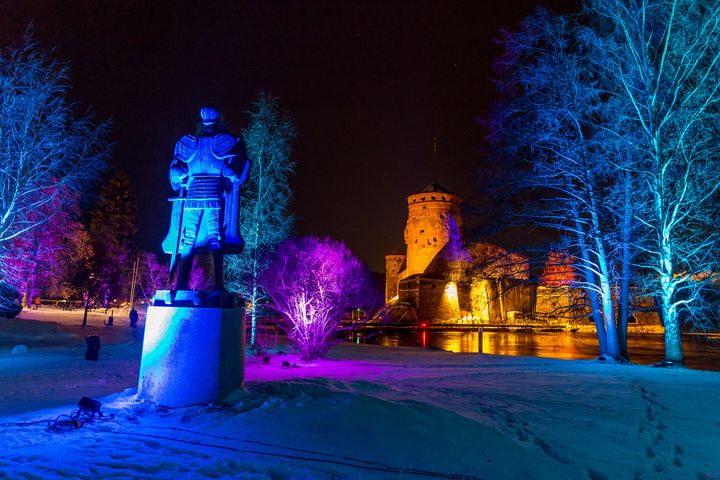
(394, 263)
(433, 217)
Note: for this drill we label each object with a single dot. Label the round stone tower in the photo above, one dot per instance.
(433, 217)
(394, 263)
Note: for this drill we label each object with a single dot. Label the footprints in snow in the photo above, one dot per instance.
(658, 446)
(518, 428)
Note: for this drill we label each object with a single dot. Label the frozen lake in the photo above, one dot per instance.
(644, 349)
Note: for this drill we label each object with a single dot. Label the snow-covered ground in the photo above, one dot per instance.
(364, 412)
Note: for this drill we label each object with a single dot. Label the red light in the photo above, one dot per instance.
(423, 325)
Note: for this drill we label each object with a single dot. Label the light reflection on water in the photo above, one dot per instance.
(644, 349)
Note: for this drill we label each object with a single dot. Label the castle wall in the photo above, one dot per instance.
(424, 294)
(561, 301)
(448, 305)
(570, 303)
(393, 266)
(498, 300)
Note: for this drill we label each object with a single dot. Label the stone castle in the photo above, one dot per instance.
(438, 277)
(443, 278)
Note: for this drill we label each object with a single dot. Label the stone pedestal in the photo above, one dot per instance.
(191, 354)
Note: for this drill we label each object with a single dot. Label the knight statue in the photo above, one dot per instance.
(206, 173)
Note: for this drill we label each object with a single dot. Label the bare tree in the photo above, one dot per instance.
(549, 117)
(46, 143)
(153, 276)
(621, 107)
(45, 258)
(664, 59)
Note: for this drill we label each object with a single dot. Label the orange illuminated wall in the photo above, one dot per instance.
(393, 265)
(433, 216)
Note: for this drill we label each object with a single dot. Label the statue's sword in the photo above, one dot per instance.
(176, 251)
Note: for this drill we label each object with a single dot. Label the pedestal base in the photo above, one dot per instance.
(191, 355)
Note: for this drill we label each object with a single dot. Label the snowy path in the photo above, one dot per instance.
(53, 371)
(374, 412)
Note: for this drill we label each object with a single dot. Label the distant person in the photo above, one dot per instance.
(37, 302)
(133, 318)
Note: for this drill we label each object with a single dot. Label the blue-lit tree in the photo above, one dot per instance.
(548, 117)
(663, 56)
(47, 145)
(636, 157)
(265, 219)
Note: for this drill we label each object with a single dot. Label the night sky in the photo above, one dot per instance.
(368, 85)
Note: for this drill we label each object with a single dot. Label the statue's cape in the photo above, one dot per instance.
(170, 244)
(232, 242)
(223, 146)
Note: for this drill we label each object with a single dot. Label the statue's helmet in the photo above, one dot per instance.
(210, 114)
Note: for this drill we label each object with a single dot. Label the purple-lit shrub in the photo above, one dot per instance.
(312, 282)
(154, 275)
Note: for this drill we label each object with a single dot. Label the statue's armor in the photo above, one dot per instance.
(205, 162)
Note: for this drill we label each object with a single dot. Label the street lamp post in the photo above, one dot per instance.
(91, 279)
